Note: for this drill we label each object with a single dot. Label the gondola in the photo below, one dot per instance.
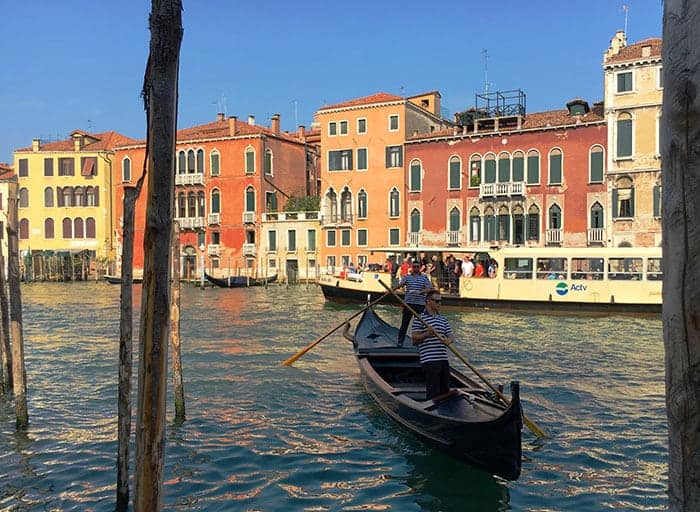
(469, 422)
(117, 279)
(240, 281)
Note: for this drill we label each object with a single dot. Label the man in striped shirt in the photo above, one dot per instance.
(416, 285)
(432, 346)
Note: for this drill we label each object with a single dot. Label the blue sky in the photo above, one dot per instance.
(78, 64)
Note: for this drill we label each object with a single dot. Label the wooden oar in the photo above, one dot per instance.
(319, 340)
(528, 422)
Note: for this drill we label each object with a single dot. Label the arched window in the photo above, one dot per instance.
(362, 205)
(214, 163)
(503, 224)
(126, 169)
(48, 197)
(250, 199)
(346, 205)
(533, 167)
(518, 225)
(67, 196)
(414, 178)
(24, 229)
(200, 161)
(78, 195)
(89, 227)
(533, 224)
(181, 205)
(24, 198)
(455, 174)
(90, 196)
(597, 218)
(518, 166)
(215, 201)
(489, 225)
(624, 135)
(490, 168)
(554, 217)
(78, 228)
(48, 229)
(623, 198)
(191, 205)
(394, 203)
(474, 225)
(190, 161)
(455, 219)
(556, 158)
(475, 171)
(415, 221)
(182, 162)
(267, 164)
(201, 212)
(67, 228)
(596, 164)
(249, 160)
(332, 204)
(503, 167)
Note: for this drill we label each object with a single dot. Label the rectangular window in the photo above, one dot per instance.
(48, 166)
(362, 126)
(343, 127)
(518, 168)
(625, 269)
(340, 160)
(272, 240)
(214, 164)
(393, 123)
(394, 235)
(517, 268)
(623, 202)
(88, 166)
(654, 269)
(66, 167)
(311, 240)
(333, 129)
(362, 159)
(330, 238)
(250, 162)
(624, 138)
(624, 82)
(345, 237)
(455, 175)
(394, 156)
(555, 169)
(23, 168)
(362, 237)
(533, 169)
(596, 167)
(292, 240)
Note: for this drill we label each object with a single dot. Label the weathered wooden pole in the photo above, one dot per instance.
(5, 347)
(19, 376)
(160, 97)
(126, 351)
(680, 140)
(178, 386)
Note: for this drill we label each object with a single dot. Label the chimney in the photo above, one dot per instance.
(275, 124)
(36, 144)
(220, 116)
(77, 142)
(232, 126)
(251, 120)
(301, 133)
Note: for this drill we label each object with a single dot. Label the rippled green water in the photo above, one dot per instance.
(260, 436)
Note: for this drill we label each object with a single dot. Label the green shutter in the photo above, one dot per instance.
(504, 170)
(454, 174)
(624, 138)
(596, 167)
(415, 177)
(657, 201)
(632, 202)
(554, 169)
(533, 170)
(518, 169)
(615, 206)
(490, 171)
(250, 161)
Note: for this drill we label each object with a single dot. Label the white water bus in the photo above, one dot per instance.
(548, 278)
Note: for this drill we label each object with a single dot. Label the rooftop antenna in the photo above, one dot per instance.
(89, 125)
(296, 113)
(625, 9)
(485, 53)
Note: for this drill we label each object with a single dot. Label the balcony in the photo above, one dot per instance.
(596, 236)
(213, 249)
(214, 219)
(191, 222)
(507, 189)
(289, 216)
(344, 219)
(249, 250)
(248, 217)
(554, 236)
(452, 238)
(414, 238)
(189, 179)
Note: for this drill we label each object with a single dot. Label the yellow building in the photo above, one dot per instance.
(633, 98)
(362, 190)
(65, 204)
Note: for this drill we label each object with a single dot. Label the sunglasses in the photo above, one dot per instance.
(436, 300)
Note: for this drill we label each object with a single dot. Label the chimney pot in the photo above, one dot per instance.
(251, 120)
(232, 126)
(301, 133)
(36, 144)
(220, 116)
(275, 124)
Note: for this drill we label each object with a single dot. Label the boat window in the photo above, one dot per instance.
(587, 268)
(624, 268)
(517, 268)
(654, 269)
(552, 268)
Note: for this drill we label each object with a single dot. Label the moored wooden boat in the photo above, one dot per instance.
(469, 422)
(117, 279)
(240, 281)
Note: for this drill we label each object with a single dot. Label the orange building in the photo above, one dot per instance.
(363, 188)
(507, 177)
(228, 173)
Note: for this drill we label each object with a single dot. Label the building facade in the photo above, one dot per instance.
(633, 97)
(228, 174)
(7, 176)
(363, 189)
(65, 203)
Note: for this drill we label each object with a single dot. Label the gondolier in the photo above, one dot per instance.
(432, 350)
(416, 285)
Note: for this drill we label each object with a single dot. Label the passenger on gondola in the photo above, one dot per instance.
(433, 350)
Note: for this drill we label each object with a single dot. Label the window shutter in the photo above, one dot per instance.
(503, 170)
(533, 170)
(632, 202)
(59, 196)
(518, 169)
(490, 171)
(388, 156)
(596, 166)
(624, 138)
(554, 169)
(657, 201)
(615, 206)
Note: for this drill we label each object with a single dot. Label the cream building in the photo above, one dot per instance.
(290, 246)
(633, 97)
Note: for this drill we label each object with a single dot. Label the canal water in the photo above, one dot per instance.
(264, 437)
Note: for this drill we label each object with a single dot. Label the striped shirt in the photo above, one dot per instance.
(432, 349)
(415, 284)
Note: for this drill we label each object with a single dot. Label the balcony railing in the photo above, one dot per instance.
(248, 217)
(509, 188)
(452, 237)
(336, 219)
(191, 222)
(213, 249)
(554, 236)
(596, 235)
(248, 249)
(189, 179)
(414, 238)
(289, 216)
(214, 219)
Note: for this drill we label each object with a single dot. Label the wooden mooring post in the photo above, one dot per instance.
(178, 386)
(5, 347)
